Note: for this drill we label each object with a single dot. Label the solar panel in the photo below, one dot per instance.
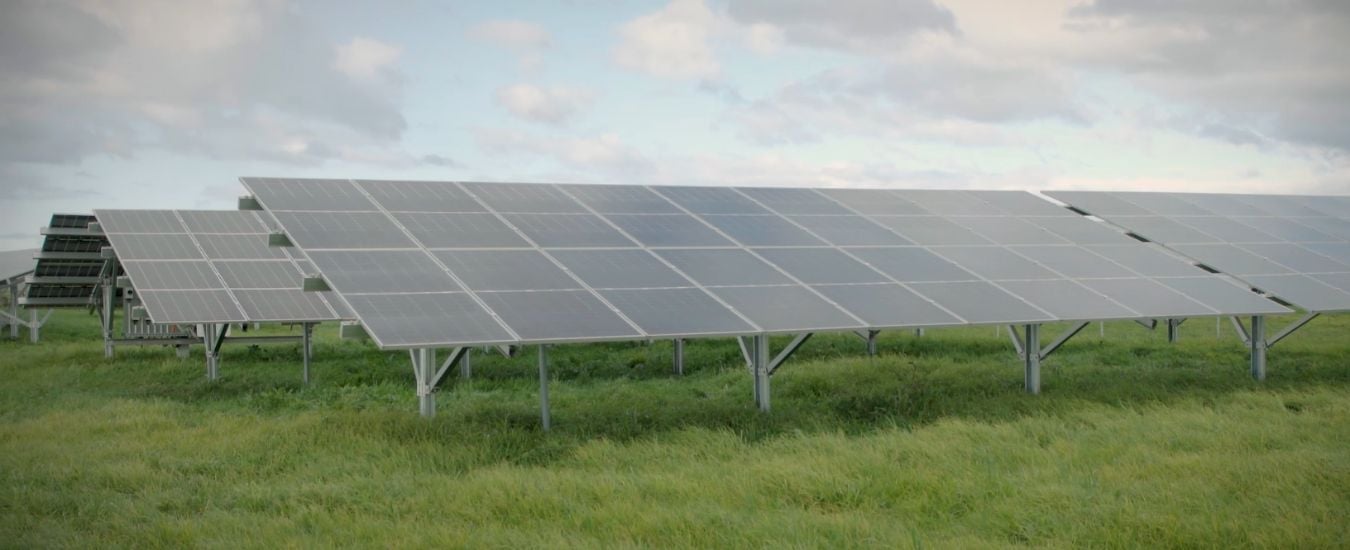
(556, 263)
(1283, 245)
(191, 267)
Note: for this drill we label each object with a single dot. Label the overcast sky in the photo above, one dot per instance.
(164, 104)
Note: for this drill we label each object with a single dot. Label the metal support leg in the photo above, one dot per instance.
(465, 365)
(544, 419)
(918, 332)
(1258, 343)
(1032, 343)
(14, 311)
(210, 341)
(307, 347)
(109, 293)
(424, 368)
(679, 356)
(872, 342)
(761, 370)
(1173, 330)
(34, 326)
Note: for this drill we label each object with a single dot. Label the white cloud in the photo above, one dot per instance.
(527, 40)
(229, 79)
(366, 59)
(764, 38)
(544, 105)
(670, 43)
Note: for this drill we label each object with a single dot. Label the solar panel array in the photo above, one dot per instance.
(451, 263)
(68, 265)
(202, 266)
(1296, 248)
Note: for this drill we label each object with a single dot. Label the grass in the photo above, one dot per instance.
(1133, 442)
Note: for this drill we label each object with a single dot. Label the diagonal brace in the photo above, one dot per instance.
(1291, 328)
(789, 350)
(455, 357)
(1016, 341)
(1241, 330)
(1062, 339)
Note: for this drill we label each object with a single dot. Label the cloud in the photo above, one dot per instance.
(544, 105)
(671, 42)
(528, 40)
(603, 155)
(1270, 68)
(225, 79)
(866, 25)
(367, 59)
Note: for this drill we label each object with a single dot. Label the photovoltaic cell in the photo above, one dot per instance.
(912, 264)
(656, 230)
(711, 200)
(1218, 293)
(763, 231)
(506, 270)
(343, 230)
(140, 221)
(981, 303)
(930, 230)
(1231, 259)
(676, 312)
(259, 274)
(887, 305)
(156, 247)
(1302, 289)
(820, 265)
(172, 275)
(239, 247)
(1074, 262)
(621, 199)
(191, 306)
(994, 263)
(568, 230)
(1005, 230)
(409, 320)
(282, 305)
(1149, 298)
(525, 197)
(849, 230)
(315, 195)
(420, 196)
(1068, 300)
(874, 202)
(793, 201)
(556, 315)
(722, 266)
(460, 230)
(628, 268)
(785, 308)
(404, 271)
(224, 221)
(1080, 230)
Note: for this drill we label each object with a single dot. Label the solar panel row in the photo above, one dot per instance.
(441, 263)
(193, 267)
(1294, 247)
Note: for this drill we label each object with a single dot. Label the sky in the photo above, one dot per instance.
(165, 104)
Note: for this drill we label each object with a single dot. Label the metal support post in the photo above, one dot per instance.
(210, 340)
(109, 293)
(307, 346)
(34, 326)
(1258, 342)
(424, 368)
(872, 342)
(544, 419)
(14, 311)
(679, 356)
(918, 332)
(465, 365)
(1032, 345)
(761, 370)
(1173, 330)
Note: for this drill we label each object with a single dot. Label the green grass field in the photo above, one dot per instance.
(930, 444)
